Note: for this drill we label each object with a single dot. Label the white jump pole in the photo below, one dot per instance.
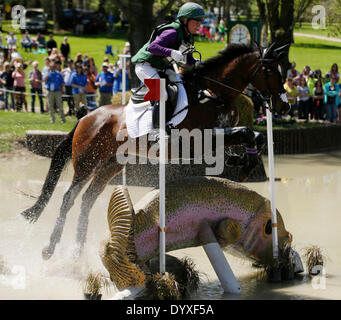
(162, 176)
(222, 268)
(272, 182)
(123, 59)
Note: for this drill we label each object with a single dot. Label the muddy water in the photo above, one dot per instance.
(308, 197)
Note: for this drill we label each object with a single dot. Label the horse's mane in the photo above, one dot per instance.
(225, 56)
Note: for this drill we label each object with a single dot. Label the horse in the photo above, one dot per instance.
(93, 142)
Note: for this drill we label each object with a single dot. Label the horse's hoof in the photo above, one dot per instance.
(30, 215)
(47, 253)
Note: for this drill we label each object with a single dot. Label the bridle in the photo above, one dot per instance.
(264, 65)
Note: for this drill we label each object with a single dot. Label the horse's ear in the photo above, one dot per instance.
(269, 50)
(282, 49)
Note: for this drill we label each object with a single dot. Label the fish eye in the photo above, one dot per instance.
(268, 227)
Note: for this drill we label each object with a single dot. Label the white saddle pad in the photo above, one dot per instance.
(139, 117)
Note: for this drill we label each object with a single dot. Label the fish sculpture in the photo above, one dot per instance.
(199, 210)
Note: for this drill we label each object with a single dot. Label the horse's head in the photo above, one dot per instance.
(267, 78)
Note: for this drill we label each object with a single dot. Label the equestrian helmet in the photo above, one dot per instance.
(191, 10)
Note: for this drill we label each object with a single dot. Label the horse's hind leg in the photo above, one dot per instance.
(68, 201)
(100, 180)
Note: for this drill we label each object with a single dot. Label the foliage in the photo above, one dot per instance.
(95, 282)
(314, 257)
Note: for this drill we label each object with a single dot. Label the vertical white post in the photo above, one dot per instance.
(162, 177)
(272, 182)
(123, 60)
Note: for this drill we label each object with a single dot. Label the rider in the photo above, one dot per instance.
(170, 40)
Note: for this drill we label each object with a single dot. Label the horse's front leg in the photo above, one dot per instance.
(246, 137)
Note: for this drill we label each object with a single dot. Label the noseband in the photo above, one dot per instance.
(263, 64)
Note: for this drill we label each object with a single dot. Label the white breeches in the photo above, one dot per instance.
(146, 71)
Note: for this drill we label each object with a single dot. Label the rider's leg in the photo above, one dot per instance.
(146, 71)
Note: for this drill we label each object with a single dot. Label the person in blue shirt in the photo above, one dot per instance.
(104, 81)
(331, 98)
(78, 82)
(55, 87)
(118, 77)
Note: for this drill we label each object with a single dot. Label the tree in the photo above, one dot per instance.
(281, 17)
(142, 20)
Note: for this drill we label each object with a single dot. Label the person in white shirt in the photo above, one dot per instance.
(66, 73)
(15, 55)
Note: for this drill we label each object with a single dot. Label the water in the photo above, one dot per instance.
(307, 195)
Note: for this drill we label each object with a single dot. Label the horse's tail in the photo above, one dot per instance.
(59, 159)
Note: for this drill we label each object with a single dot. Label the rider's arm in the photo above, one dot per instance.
(161, 46)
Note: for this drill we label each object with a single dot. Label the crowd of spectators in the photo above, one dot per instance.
(313, 96)
(77, 82)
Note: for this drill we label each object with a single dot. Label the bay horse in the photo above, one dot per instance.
(92, 143)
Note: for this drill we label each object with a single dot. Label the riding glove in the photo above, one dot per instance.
(177, 55)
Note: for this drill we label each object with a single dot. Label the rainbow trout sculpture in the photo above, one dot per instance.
(199, 210)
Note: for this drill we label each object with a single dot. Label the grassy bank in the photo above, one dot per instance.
(13, 126)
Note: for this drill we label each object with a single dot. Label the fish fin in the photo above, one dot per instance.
(119, 253)
(228, 232)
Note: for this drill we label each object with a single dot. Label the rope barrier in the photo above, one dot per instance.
(4, 90)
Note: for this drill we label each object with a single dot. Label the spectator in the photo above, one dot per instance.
(202, 32)
(111, 67)
(221, 31)
(213, 30)
(292, 95)
(303, 99)
(26, 41)
(92, 67)
(7, 80)
(54, 55)
(65, 50)
(79, 59)
(58, 65)
(117, 87)
(78, 82)
(66, 73)
(293, 73)
(55, 86)
(334, 70)
(111, 20)
(35, 78)
(105, 81)
(51, 44)
(15, 55)
(311, 84)
(44, 72)
(41, 41)
(306, 73)
(126, 49)
(318, 97)
(85, 60)
(11, 40)
(19, 86)
(90, 88)
(331, 99)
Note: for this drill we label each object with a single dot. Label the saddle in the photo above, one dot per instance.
(172, 91)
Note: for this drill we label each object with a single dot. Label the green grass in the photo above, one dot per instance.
(13, 126)
(307, 28)
(316, 53)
